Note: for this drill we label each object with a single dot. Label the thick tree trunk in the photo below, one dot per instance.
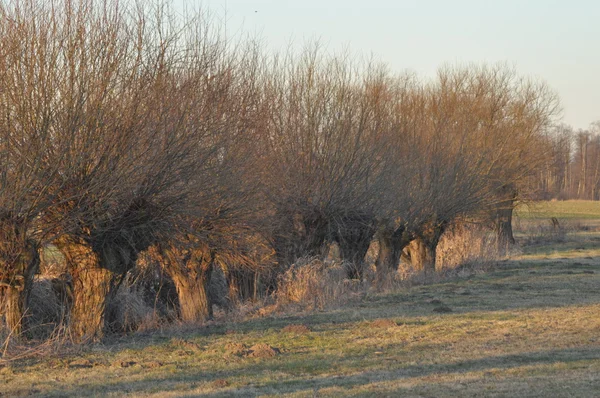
(423, 248)
(354, 254)
(190, 269)
(300, 236)
(503, 227)
(422, 255)
(353, 234)
(391, 243)
(17, 289)
(194, 301)
(92, 286)
(503, 218)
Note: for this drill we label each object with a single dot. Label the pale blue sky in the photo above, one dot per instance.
(557, 41)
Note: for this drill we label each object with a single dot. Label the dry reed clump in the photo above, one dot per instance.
(311, 283)
(466, 246)
(127, 311)
(48, 306)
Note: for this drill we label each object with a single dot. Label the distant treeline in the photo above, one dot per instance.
(573, 169)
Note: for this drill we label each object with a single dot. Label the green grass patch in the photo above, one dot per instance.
(568, 209)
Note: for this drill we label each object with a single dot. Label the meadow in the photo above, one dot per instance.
(527, 326)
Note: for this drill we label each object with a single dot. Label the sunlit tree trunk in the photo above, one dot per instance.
(422, 255)
(190, 269)
(423, 248)
(17, 288)
(92, 286)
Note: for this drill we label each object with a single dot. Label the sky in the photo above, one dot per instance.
(554, 41)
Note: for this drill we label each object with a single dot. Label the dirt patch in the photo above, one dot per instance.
(220, 383)
(383, 323)
(124, 363)
(262, 350)
(297, 329)
(237, 349)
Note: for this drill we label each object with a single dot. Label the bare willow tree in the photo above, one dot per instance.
(322, 149)
(223, 209)
(128, 119)
(29, 94)
(436, 180)
(511, 117)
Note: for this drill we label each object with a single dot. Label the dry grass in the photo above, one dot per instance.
(313, 284)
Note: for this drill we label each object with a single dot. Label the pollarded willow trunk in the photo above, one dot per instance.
(391, 243)
(194, 302)
(354, 238)
(422, 255)
(17, 287)
(191, 271)
(503, 227)
(503, 218)
(92, 287)
(423, 248)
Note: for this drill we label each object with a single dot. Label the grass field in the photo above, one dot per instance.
(569, 209)
(528, 327)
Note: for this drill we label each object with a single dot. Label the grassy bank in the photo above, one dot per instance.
(528, 327)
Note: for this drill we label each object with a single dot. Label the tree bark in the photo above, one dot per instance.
(391, 243)
(18, 288)
(298, 236)
(422, 255)
(194, 302)
(92, 286)
(191, 271)
(503, 227)
(423, 248)
(503, 218)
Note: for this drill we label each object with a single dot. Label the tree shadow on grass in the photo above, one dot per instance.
(186, 382)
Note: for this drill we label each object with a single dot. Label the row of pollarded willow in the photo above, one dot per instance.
(357, 154)
(118, 127)
(123, 131)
